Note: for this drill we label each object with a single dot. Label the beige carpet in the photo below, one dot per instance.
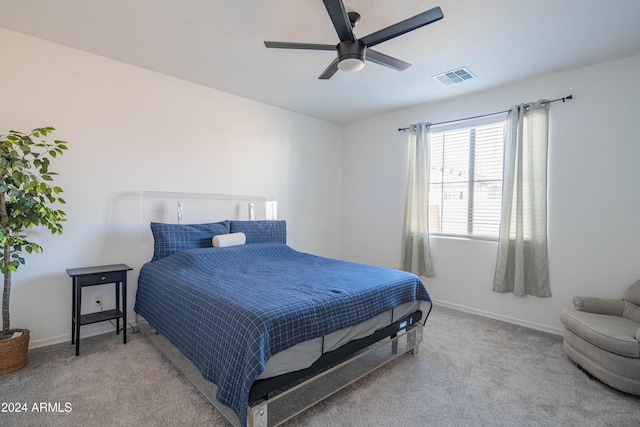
(471, 371)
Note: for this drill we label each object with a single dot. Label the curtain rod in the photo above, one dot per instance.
(563, 99)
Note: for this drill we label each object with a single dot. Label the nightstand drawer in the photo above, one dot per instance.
(99, 278)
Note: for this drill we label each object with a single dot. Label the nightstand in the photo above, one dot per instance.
(99, 275)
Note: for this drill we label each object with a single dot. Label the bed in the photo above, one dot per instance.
(256, 316)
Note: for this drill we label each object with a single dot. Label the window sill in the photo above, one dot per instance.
(459, 237)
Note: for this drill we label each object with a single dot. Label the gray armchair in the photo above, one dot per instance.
(602, 336)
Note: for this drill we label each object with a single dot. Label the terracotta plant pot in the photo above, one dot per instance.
(13, 352)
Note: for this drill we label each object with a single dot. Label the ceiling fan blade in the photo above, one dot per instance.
(340, 19)
(402, 27)
(386, 60)
(330, 71)
(292, 45)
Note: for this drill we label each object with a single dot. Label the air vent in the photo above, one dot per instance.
(458, 75)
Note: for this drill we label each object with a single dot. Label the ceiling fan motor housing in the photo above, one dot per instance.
(351, 55)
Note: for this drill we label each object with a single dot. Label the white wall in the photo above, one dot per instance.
(131, 129)
(594, 195)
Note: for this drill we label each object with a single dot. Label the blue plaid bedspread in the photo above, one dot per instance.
(229, 309)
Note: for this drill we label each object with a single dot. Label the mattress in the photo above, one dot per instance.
(303, 355)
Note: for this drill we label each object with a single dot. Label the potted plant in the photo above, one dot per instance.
(27, 196)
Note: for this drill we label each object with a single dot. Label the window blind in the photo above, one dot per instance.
(465, 190)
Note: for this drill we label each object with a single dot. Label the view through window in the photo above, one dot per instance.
(465, 190)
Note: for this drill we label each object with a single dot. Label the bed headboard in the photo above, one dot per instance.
(195, 208)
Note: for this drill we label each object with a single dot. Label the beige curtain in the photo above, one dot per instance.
(416, 254)
(522, 266)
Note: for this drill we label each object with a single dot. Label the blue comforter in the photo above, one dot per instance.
(229, 309)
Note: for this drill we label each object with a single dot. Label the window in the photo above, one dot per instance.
(465, 190)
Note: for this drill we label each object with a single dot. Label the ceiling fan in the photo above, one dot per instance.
(352, 52)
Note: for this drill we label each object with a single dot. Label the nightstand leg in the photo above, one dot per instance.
(124, 311)
(73, 311)
(118, 306)
(78, 300)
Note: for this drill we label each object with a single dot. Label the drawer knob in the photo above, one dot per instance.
(104, 278)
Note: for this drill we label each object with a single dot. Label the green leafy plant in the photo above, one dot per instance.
(27, 197)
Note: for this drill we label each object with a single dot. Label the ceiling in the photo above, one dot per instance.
(219, 43)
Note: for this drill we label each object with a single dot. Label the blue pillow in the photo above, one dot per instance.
(170, 238)
(261, 231)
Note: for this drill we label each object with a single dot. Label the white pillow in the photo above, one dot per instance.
(231, 239)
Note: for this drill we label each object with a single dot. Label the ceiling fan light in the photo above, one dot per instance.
(351, 65)
(351, 55)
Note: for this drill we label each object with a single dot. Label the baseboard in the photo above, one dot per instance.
(85, 332)
(103, 329)
(520, 322)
